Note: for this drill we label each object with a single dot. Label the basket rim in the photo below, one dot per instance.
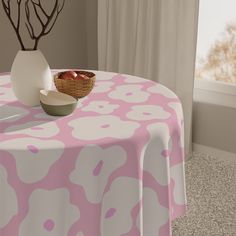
(73, 81)
(59, 73)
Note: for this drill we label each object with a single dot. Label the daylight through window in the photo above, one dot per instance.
(216, 48)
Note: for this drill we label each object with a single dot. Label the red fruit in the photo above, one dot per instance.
(84, 76)
(68, 75)
(78, 77)
(81, 76)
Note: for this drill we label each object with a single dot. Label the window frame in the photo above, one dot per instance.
(215, 92)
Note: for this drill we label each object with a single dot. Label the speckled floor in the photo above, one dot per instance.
(211, 194)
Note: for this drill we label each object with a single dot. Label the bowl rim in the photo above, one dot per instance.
(43, 94)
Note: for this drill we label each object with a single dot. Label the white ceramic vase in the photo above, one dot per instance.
(30, 73)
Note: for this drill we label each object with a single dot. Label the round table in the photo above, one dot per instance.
(114, 167)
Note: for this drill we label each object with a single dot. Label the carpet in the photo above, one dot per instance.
(211, 196)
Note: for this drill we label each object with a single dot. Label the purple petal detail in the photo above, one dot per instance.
(147, 113)
(110, 213)
(165, 153)
(98, 168)
(32, 148)
(49, 225)
(37, 128)
(105, 126)
(129, 94)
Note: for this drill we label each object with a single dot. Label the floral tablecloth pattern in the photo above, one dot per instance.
(114, 167)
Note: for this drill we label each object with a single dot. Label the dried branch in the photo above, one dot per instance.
(39, 4)
(37, 14)
(7, 8)
(46, 20)
(29, 26)
(59, 9)
(50, 18)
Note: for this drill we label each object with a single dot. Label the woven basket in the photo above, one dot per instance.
(76, 88)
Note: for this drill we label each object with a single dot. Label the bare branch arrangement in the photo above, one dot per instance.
(46, 20)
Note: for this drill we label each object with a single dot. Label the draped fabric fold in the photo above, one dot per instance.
(155, 39)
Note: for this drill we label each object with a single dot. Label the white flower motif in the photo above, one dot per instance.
(101, 75)
(12, 113)
(4, 80)
(148, 112)
(44, 115)
(47, 210)
(35, 129)
(36, 108)
(154, 214)
(117, 205)
(101, 107)
(81, 101)
(8, 202)
(159, 130)
(94, 166)
(129, 93)
(7, 95)
(98, 127)
(177, 107)
(177, 174)
(155, 152)
(135, 79)
(102, 87)
(162, 90)
(80, 234)
(32, 162)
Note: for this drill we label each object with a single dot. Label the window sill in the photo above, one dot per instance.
(215, 92)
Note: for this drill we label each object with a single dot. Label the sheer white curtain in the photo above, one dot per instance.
(155, 39)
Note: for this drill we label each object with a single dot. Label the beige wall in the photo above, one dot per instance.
(214, 126)
(71, 44)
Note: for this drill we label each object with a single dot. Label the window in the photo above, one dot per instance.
(216, 51)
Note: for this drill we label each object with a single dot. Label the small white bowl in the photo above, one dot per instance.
(56, 103)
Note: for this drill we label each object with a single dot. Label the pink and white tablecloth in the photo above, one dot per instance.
(115, 167)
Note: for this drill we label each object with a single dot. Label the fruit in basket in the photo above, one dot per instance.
(68, 75)
(76, 83)
(72, 75)
(78, 77)
(81, 76)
